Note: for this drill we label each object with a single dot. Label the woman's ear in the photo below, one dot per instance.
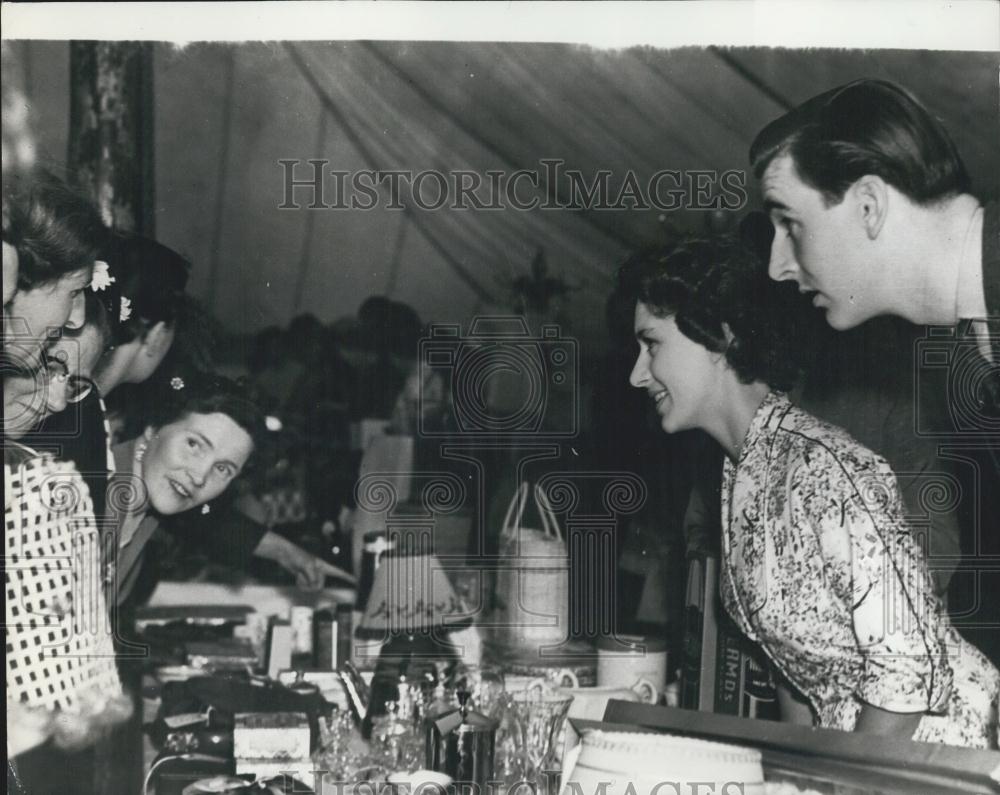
(149, 433)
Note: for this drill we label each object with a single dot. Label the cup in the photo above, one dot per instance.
(623, 660)
(590, 702)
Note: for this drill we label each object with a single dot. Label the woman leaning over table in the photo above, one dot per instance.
(816, 552)
(201, 437)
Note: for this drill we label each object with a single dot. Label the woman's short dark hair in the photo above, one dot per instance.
(54, 228)
(865, 127)
(708, 285)
(206, 393)
(153, 279)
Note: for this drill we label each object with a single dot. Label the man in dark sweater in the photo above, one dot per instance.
(873, 214)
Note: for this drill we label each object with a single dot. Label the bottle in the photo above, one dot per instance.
(344, 635)
(325, 640)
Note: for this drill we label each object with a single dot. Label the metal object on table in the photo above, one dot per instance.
(376, 544)
(461, 744)
(302, 687)
(358, 693)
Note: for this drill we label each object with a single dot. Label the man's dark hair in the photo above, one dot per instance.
(865, 127)
(55, 229)
(708, 285)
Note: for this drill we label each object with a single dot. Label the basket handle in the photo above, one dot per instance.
(549, 521)
(520, 500)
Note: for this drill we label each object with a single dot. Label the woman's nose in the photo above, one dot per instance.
(640, 371)
(78, 312)
(199, 472)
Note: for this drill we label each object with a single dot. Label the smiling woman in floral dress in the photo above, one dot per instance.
(818, 564)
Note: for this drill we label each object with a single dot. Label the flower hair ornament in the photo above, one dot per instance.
(126, 310)
(102, 278)
(177, 383)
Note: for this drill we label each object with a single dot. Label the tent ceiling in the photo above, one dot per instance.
(475, 107)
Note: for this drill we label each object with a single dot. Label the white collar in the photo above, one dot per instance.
(970, 292)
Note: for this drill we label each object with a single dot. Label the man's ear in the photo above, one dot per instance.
(9, 272)
(871, 196)
(157, 340)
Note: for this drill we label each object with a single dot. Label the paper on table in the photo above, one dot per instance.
(266, 599)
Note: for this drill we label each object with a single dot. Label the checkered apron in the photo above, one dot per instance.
(60, 654)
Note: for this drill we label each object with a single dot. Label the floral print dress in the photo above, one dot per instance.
(820, 568)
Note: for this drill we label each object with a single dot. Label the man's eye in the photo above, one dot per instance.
(192, 443)
(222, 469)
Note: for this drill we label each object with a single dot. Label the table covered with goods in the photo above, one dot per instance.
(409, 681)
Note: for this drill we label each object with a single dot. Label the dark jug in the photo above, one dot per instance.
(460, 744)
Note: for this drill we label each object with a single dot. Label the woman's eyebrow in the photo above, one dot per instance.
(204, 438)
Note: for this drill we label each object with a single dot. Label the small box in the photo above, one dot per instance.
(271, 735)
(233, 654)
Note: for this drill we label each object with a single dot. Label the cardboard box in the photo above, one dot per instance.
(722, 671)
(233, 654)
(271, 735)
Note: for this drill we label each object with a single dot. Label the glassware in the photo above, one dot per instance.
(336, 754)
(396, 742)
(510, 762)
(541, 712)
(485, 685)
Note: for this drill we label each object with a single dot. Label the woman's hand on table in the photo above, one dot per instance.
(310, 572)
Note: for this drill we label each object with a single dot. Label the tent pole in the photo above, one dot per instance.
(110, 152)
(397, 256)
(307, 232)
(222, 177)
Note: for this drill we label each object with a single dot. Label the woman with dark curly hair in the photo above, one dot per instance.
(818, 565)
(202, 435)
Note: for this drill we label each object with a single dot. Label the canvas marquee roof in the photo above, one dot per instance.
(227, 114)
